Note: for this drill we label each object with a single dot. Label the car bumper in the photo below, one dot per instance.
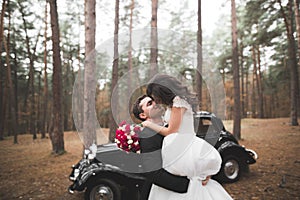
(78, 185)
(252, 156)
(81, 173)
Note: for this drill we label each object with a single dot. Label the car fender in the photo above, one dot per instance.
(98, 170)
(230, 147)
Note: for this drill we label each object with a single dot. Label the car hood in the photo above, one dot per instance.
(112, 155)
(107, 147)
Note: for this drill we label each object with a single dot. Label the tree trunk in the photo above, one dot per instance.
(72, 123)
(247, 92)
(45, 92)
(2, 72)
(292, 62)
(57, 136)
(242, 81)
(89, 79)
(130, 47)
(31, 77)
(2, 23)
(254, 84)
(259, 86)
(66, 94)
(154, 47)
(39, 94)
(294, 70)
(12, 102)
(297, 17)
(16, 95)
(236, 79)
(199, 58)
(256, 74)
(115, 72)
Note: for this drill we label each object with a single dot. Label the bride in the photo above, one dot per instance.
(183, 153)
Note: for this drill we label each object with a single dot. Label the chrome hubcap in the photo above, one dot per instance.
(102, 192)
(231, 169)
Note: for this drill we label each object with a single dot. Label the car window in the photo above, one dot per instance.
(208, 128)
(206, 122)
(203, 126)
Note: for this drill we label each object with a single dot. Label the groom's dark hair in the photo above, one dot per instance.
(137, 109)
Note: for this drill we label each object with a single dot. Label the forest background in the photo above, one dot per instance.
(44, 49)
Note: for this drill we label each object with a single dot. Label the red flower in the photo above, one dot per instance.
(127, 128)
(122, 123)
(127, 137)
(137, 129)
(118, 132)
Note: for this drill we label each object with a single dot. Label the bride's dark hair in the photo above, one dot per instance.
(164, 88)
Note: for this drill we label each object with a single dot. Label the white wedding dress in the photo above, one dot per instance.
(187, 155)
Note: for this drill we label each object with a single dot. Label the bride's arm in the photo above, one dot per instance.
(174, 123)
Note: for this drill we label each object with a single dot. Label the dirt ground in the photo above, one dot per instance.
(29, 171)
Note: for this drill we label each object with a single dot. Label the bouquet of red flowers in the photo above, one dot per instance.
(127, 137)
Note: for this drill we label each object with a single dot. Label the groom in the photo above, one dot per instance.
(150, 143)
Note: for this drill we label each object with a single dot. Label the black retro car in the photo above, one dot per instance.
(106, 172)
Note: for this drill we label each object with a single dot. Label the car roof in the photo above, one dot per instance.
(204, 114)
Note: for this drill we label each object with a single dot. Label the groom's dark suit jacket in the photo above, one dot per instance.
(151, 143)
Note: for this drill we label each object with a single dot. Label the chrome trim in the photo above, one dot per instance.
(252, 152)
(71, 191)
(102, 192)
(231, 169)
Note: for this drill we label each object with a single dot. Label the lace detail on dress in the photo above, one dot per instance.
(181, 103)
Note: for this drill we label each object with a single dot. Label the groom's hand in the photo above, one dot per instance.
(204, 182)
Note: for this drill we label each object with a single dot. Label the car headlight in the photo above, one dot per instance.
(74, 174)
(86, 153)
(91, 156)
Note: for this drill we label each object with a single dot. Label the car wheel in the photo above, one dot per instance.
(230, 170)
(103, 189)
